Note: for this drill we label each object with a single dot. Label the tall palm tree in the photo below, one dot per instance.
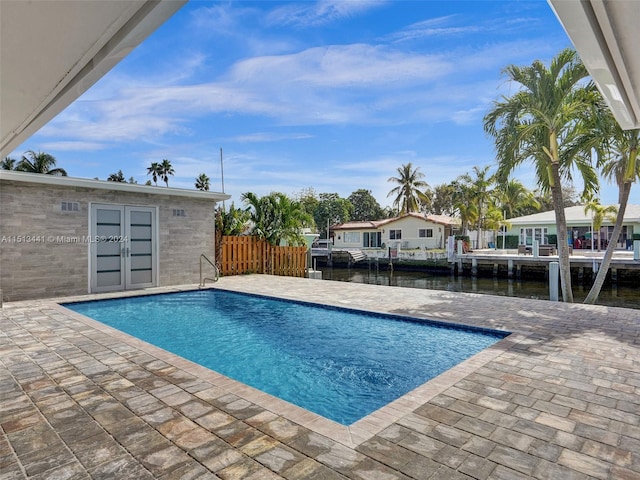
(600, 213)
(155, 170)
(539, 124)
(202, 182)
(480, 191)
(8, 164)
(409, 192)
(619, 161)
(40, 162)
(462, 203)
(165, 170)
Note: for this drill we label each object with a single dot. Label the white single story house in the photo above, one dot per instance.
(408, 231)
(540, 226)
(67, 236)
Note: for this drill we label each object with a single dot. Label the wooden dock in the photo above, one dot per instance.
(515, 266)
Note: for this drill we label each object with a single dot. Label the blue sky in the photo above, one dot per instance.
(330, 94)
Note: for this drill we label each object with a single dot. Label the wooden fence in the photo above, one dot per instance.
(252, 255)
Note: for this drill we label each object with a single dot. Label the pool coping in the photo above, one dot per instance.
(352, 435)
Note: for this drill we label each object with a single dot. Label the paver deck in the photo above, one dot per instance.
(558, 399)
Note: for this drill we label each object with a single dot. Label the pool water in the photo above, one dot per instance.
(341, 364)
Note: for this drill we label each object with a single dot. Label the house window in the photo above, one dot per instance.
(528, 235)
(351, 237)
(395, 234)
(372, 239)
(425, 233)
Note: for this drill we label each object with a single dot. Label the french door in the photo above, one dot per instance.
(123, 248)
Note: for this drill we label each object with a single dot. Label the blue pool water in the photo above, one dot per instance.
(341, 364)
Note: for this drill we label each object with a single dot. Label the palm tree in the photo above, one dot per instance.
(515, 199)
(203, 182)
(116, 177)
(155, 170)
(494, 220)
(539, 123)
(621, 163)
(165, 170)
(408, 193)
(8, 164)
(598, 215)
(480, 192)
(462, 203)
(276, 217)
(40, 162)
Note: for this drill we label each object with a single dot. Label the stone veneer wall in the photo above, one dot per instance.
(36, 263)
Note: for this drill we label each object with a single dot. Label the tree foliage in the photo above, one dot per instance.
(117, 177)
(202, 182)
(365, 206)
(276, 217)
(39, 162)
(8, 163)
(155, 170)
(541, 124)
(409, 194)
(166, 170)
(332, 210)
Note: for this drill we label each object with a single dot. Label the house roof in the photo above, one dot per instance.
(574, 215)
(24, 177)
(374, 224)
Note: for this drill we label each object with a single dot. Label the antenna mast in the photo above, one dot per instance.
(222, 175)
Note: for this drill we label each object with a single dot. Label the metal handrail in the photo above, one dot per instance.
(204, 279)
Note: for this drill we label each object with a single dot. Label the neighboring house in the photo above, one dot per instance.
(68, 236)
(409, 231)
(540, 226)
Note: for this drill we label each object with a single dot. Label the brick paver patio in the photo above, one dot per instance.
(558, 399)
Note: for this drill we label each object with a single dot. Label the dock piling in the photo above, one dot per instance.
(554, 275)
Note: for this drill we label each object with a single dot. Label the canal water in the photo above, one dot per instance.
(617, 296)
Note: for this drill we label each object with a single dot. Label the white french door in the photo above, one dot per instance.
(123, 248)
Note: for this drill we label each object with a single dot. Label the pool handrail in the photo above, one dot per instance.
(204, 279)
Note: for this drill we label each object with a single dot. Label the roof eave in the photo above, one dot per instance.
(43, 179)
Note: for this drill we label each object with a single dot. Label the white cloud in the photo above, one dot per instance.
(322, 12)
(73, 146)
(433, 27)
(260, 137)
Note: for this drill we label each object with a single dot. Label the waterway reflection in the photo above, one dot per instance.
(617, 296)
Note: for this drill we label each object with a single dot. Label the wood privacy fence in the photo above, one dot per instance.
(253, 255)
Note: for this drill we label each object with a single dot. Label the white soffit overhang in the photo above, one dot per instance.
(52, 51)
(72, 182)
(606, 35)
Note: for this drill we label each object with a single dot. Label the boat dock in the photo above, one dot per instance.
(512, 265)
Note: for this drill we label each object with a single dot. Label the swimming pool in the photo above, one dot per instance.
(341, 364)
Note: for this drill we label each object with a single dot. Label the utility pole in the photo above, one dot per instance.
(222, 175)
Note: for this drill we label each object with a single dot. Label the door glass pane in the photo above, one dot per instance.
(108, 279)
(108, 258)
(141, 276)
(141, 244)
